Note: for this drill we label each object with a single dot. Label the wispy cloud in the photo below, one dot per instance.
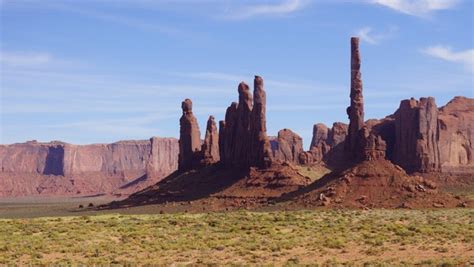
(418, 8)
(24, 59)
(35, 60)
(446, 53)
(284, 7)
(367, 34)
(297, 85)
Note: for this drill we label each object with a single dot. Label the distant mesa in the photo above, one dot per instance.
(59, 169)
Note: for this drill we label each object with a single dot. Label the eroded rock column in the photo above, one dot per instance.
(243, 137)
(210, 147)
(189, 138)
(260, 148)
(356, 109)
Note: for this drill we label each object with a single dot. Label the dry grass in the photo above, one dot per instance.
(282, 238)
(313, 172)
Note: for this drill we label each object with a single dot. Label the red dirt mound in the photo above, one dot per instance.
(217, 188)
(370, 184)
(373, 184)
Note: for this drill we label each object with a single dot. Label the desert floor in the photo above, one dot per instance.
(319, 236)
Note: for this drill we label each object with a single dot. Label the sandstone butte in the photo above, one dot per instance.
(419, 137)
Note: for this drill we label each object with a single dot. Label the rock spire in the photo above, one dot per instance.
(210, 147)
(356, 109)
(189, 138)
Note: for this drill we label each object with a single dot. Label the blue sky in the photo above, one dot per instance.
(96, 71)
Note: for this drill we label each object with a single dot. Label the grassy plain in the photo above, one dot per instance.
(325, 237)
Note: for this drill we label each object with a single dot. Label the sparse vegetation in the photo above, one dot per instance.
(315, 172)
(427, 237)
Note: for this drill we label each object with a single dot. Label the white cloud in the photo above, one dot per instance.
(366, 34)
(282, 8)
(24, 59)
(417, 7)
(465, 57)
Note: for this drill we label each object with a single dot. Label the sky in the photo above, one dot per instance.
(96, 71)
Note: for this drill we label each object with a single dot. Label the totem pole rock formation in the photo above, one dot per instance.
(260, 149)
(241, 155)
(189, 138)
(210, 147)
(417, 135)
(356, 109)
(227, 132)
(243, 137)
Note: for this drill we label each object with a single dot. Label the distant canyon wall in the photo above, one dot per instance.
(33, 168)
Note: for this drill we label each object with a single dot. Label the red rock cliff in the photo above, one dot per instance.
(287, 146)
(328, 144)
(416, 135)
(456, 135)
(58, 168)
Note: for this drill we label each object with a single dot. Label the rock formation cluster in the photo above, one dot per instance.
(419, 137)
(243, 134)
(242, 139)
